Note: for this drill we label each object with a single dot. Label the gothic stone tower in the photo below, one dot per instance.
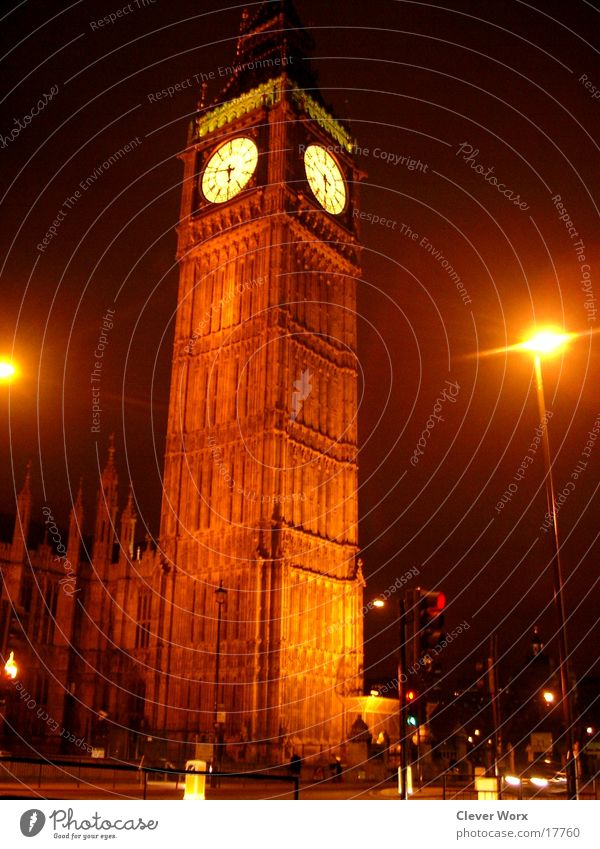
(260, 481)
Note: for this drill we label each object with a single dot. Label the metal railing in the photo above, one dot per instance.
(41, 767)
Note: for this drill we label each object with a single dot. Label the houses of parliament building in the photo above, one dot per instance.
(243, 620)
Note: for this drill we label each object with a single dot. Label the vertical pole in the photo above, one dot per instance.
(402, 702)
(217, 668)
(558, 592)
(495, 701)
(220, 594)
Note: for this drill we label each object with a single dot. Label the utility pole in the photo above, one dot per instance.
(495, 701)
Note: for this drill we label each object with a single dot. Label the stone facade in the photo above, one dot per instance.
(260, 475)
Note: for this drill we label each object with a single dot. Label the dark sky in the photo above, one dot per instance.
(503, 82)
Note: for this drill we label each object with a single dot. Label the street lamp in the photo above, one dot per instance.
(402, 696)
(220, 596)
(548, 697)
(7, 370)
(548, 343)
(10, 667)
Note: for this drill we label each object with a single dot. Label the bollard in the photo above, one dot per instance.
(195, 784)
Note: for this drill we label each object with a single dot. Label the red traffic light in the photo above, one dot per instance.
(433, 602)
(410, 695)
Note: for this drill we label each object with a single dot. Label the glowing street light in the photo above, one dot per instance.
(404, 774)
(10, 667)
(546, 343)
(7, 370)
(548, 697)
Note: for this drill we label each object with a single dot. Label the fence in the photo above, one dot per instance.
(39, 771)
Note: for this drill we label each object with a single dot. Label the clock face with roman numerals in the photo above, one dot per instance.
(325, 178)
(229, 169)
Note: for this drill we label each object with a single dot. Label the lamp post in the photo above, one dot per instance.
(402, 699)
(220, 596)
(548, 343)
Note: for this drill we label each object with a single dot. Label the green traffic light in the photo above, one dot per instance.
(412, 720)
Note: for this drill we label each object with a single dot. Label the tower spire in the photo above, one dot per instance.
(75, 528)
(106, 512)
(272, 40)
(128, 523)
(23, 517)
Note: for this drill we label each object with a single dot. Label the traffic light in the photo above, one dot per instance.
(410, 699)
(431, 621)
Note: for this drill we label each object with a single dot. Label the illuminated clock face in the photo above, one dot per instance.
(229, 169)
(325, 178)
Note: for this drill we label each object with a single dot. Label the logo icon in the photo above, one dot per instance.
(32, 822)
(302, 389)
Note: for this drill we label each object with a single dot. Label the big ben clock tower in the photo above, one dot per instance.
(260, 630)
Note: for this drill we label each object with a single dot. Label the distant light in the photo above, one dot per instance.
(374, 693)
(469, 739)
(10, 667)
(477, 732)
(7, 370)
(540, 782)
(548, 697)
(546, 342)
(589, 730)
(512, 780)
(378, 602)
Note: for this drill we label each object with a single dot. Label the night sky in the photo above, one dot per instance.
(471, 120)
